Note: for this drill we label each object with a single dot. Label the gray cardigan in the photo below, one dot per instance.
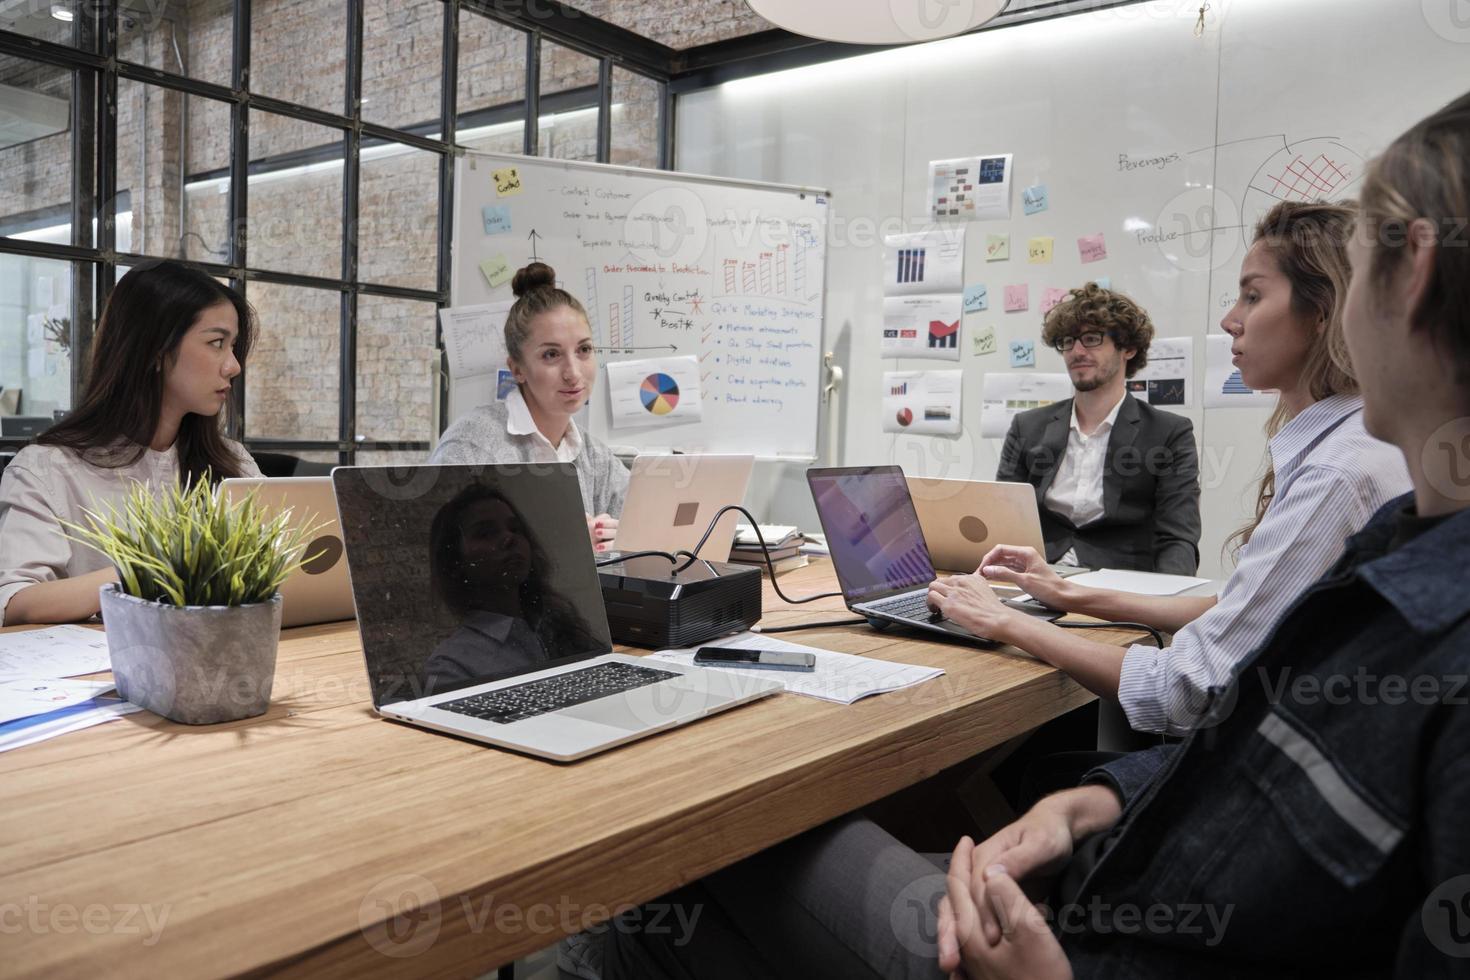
(481, 437)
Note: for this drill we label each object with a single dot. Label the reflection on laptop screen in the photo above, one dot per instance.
(464, 574)
(872, 530)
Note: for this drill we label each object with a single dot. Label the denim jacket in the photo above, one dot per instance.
(1319, 823)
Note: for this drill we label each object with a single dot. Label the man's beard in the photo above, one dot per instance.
(1098, 379)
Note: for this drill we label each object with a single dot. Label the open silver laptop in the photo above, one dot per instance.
(963, 519)
(878, 547)
(318, 591)
(672, 499)
(481, 614)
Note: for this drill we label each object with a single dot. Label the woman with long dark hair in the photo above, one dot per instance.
(170, 343)
(490, 572)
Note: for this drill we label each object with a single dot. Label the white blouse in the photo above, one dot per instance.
(45, 485)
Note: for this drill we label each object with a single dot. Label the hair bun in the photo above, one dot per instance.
(533, 276)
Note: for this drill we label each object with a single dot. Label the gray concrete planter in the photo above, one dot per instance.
(199, 665)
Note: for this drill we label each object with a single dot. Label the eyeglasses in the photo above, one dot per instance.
(1091, 338)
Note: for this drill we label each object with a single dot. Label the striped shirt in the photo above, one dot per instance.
(1331, 477)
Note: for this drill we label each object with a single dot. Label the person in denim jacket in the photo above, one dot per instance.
(1316, 823)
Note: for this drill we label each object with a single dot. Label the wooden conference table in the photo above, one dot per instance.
(321, 840)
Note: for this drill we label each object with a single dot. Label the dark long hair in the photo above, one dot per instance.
(150, 310)
(555, 621)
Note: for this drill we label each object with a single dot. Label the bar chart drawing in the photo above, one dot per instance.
(780, 273)
(598, 338)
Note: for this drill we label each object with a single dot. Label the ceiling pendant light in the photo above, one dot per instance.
(878, 21)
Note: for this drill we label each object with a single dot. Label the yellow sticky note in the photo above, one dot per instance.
(496, 270)
(997, 248)
(507, 181)
(1038, 251)
(983, 340)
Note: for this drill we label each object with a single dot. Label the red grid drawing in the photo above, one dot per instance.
(1302, 181)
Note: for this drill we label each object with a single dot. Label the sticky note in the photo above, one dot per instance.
(496, 270)
(507, 181)
(1092, 248)
(977, 299)
(1034, 200)
(1018, 298)
(1052, 297)
(1038, 251)
(496, 218)
(1023, 353)
(997, 248)
(983, 340)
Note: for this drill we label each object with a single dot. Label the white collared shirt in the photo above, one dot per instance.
(1077, 491)
(1331, 477)
(518, 422)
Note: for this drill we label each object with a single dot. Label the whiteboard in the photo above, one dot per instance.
(730, 273)
(1165, 142)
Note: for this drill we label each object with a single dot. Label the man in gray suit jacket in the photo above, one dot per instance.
(1117, 480)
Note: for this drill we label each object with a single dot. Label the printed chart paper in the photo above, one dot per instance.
(922, 326)
(1169, 374)
(968, 188)
(1223, 385)
(922, 402)
(655, 391)
(925, 262)
(1007, 394)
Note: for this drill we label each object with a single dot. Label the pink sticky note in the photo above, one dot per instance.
(1092, 247)
(1052, 298)
(1017, 298)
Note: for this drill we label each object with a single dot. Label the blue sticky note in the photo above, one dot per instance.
(496, 218)
(1106, 282)
(1023, 353)
(1034, 199)
(977, 299)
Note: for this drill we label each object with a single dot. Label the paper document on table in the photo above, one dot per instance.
(839, 677)
(56, 651)
(38, 728)
(21, 697)
(1141, 583)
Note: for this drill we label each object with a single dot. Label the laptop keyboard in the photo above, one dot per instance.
(553, 693)
(912, 606)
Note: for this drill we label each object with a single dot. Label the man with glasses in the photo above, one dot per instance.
(1117, 480)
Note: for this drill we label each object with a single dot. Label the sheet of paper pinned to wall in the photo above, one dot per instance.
(924, 262)
(474, 348)
(1007, 394)
(922, 402)
(1169, 374)
(663, 391)
(1224, 387)
(968, 188)
(922, 326)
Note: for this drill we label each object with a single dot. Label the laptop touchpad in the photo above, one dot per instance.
(643, 707)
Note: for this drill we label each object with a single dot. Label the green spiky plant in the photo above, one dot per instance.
(188, 546)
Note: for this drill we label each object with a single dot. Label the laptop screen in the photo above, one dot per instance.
(464, 574)
(872, 530)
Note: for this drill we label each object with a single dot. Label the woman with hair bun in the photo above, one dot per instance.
(554, 364)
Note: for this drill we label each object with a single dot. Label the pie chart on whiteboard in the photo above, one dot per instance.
(660, 394)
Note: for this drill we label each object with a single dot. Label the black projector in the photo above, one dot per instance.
(650, 606)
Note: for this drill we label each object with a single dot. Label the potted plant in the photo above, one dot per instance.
(194, 619)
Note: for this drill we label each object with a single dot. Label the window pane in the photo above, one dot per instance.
(35, 335)
(568, 124)
(492, 84)
(292, 388)
(193, 38)
(395, 358)
(35, 151)
(168, 210)
(402, 58)
(33, 18)
(635, 120)
(398, 208)
(295, 201)
(298, 51)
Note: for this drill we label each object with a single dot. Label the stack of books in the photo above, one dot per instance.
(784, 542)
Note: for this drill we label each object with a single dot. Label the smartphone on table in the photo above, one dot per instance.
(767, 659)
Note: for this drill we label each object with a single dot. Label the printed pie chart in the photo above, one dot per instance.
(660, 393)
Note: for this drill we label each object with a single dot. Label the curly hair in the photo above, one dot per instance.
(1092, 307)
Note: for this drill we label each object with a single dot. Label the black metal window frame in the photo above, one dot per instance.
(92, 58)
